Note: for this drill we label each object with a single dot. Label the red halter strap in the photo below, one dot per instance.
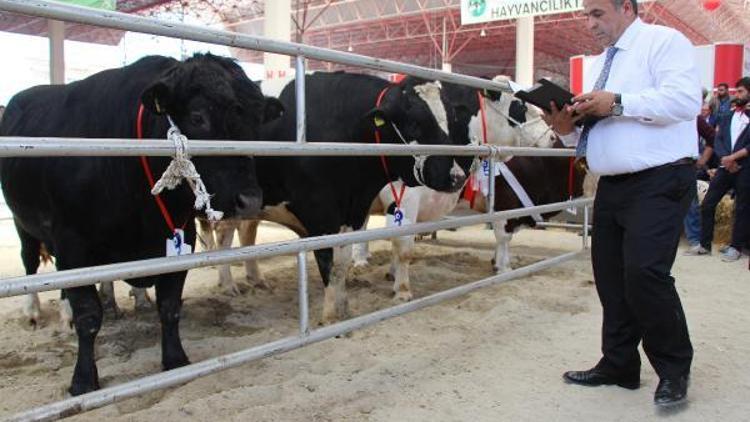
(483, 115)
(396, 196)
(150, 175)
(469, 193)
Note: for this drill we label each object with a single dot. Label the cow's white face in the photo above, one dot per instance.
(430, 94)
(510, 122)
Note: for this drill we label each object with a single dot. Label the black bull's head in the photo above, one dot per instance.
(210, 97)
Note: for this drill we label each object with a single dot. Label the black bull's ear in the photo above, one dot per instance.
(389, 107)
(376, 117)
(160, 96)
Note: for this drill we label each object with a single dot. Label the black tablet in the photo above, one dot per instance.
(545, 92)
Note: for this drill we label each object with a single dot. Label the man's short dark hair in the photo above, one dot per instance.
(743, 82)
(634, 3)
(724, 84)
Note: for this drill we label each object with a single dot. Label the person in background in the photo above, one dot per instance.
(730, 147)
(2, 111)
(639, 135)
(721, 107)
(706, 134)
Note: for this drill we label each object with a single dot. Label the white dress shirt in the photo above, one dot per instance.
(654, 71)
(739, 123)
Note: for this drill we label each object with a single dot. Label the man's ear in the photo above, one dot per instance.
(159, 96)
(272, 109)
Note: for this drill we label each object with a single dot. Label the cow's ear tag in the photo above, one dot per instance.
(397, 219)
(176, 245)
(379, 121)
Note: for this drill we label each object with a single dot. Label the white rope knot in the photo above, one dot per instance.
(496, 153)
(418, 169)
(182, 168)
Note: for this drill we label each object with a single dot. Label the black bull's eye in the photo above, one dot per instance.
(196, 118)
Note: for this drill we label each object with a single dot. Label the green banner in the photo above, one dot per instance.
(98, 4)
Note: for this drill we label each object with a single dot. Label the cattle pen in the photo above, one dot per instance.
(34, 147)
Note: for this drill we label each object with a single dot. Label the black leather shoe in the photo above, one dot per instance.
(671, 391)
(595, 377)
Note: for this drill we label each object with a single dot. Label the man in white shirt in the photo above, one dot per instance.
(639, 135)
(731, 147)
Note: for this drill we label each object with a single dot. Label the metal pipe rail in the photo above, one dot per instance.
(556, 225)
(123, 21)
(16, 286)
(39, 147)
(20, 146)
(96, 399)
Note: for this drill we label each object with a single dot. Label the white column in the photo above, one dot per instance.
(446, 65)
(56, 30)
(525, 50)
(278, 25)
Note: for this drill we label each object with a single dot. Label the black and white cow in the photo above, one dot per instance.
(99, 210)
(546, 180)
(507, 121)
(325, 195)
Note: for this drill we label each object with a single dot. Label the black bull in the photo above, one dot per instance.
(98, 210)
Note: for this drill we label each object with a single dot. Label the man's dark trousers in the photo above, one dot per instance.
(638, 219)
(722, 183)
(741, 224)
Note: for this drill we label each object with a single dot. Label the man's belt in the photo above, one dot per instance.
(680, 162)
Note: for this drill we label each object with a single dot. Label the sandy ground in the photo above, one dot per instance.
(497, 354)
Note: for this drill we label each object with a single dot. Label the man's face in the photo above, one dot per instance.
(742, 93)
(721, 91)
(605, 21)
(705, 110)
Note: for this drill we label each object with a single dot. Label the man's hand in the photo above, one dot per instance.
(700, 163)
(595, 103)
(561, 121)
(730, 164)
(711, 173)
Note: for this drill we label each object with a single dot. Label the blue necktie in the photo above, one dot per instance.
(598, 86)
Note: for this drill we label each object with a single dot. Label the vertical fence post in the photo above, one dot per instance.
(585, 226)
(299, 78)
(304, 312)
(491, 194)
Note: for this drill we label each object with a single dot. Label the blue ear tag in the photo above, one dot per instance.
(176, 245)
(486, 167)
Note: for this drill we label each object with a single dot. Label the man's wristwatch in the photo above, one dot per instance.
(616, 107)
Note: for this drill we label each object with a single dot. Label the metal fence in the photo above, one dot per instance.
(29, 147)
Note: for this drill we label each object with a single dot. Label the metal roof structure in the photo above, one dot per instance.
(29, 25)
(417, 31)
